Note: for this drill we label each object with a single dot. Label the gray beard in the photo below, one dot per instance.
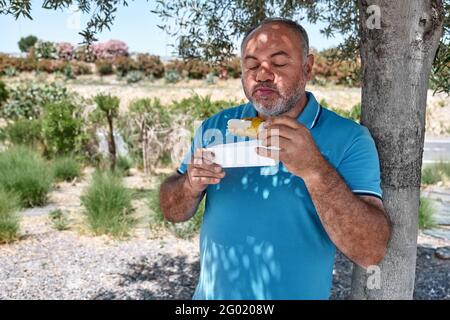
(281, 107)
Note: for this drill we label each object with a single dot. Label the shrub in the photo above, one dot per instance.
(80, 68)
(109, 106)
(61, 126)
(430, 175)
(8, 63)
(233, 67)
(172, 76)
(338, 71)
(135, 76)
(59, 220)
(9, 219)
(150, 65)
(27, 99)
(24, 172)
(153, 122)
(25, 64)
(124, 164)
(151, 111)
(107, 205)
(210, 79)
(426, 213)
(5, 62)
(25, 43)
(45, 50)
(67, 70)
(194, 68)
(355, 112)
(49, 65)
(3, 93)
(110, 49)
(201, 107)
(324, 103)
(197, 69)
(151, 78)
(84, 53)
(23, 132)
(10, 72)
(66, 168)
(433, 173)
(124, 65)
(64, 50)
(104, 67)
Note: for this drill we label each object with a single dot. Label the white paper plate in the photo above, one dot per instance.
(240, 154)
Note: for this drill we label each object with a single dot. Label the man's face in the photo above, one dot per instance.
(274, 69)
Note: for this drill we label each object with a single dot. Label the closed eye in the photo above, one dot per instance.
(279, 65)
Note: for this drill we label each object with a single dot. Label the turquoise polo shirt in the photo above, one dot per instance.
(261, 236)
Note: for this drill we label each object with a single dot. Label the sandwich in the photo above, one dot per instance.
(246, 127)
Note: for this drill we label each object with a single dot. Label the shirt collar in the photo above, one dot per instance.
(310, 114)
(308, 117)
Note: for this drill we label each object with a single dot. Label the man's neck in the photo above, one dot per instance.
(294, 112)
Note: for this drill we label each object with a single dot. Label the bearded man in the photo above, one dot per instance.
(274, 236)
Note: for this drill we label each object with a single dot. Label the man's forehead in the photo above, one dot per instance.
(273, 36)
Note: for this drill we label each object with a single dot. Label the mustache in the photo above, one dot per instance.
(269, 85)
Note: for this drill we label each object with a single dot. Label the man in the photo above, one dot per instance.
(273, 236)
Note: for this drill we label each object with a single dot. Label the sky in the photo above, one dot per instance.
(135, 25)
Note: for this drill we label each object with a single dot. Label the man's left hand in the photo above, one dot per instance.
(298, 151)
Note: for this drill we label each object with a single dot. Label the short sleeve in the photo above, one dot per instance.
(197, 142)
(360, 166)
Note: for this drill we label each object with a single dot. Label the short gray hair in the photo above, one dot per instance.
(304, 39)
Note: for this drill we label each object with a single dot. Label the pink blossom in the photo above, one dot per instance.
(64, 50)
(110, 49)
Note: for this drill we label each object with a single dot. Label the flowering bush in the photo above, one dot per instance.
(64, 50)
(110, 49)
(233, 67)
(104, 67)
(19, 64)
(192, 68)
(45, 50)
(124, 65)
(50, 65)
(150, 65)
(80, 68)
(328, 69)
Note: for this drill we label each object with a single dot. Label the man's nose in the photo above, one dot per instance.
(264, 74)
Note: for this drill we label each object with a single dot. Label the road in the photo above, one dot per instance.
(436, 149)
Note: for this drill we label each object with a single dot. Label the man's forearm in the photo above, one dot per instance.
(361, 231)
(178, 203)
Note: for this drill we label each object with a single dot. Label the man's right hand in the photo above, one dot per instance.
(202, 172)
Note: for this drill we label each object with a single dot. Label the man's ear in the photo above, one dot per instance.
(308, 66)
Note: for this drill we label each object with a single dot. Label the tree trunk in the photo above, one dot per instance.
(112, 142)
(144, 147)
(397, 56)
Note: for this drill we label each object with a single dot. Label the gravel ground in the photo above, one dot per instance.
(151, 264)
(50, 264)
(432, 276)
